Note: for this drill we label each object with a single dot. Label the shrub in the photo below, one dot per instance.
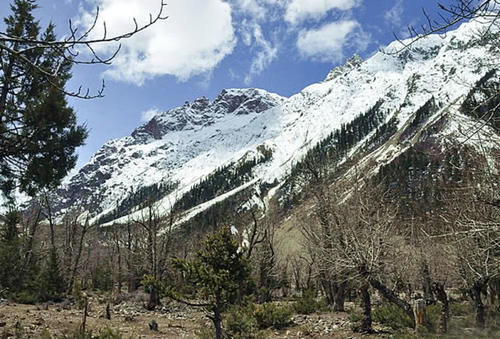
(102, 278)
(392, 316)
(355, 316)
(460, 309)
(272, 315)
(25, 297)
(240, 322)
(307, 303)
(107, 333)
(78, 295)
(205, 333)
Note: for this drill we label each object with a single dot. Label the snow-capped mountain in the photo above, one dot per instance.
(252, 137)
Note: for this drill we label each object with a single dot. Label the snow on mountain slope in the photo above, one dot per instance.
(188, 143)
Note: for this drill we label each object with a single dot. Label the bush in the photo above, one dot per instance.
(107, 333)
(25, 297)
(355, 316)
(460, 309)
(272, 315)
(307, 303)
(102, 278)
(78, 295)
(392, 316)
(240, 322)
(205, 333)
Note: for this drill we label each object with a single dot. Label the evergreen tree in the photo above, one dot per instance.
(10, 249)
(38, 130)
(51, 280)
(218, 272)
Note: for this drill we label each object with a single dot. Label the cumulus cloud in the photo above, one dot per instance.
(192, 41)
(393, 15)
(149, 114)
(328, 42)
(300, 10)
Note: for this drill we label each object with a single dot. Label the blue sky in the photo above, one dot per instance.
(207, 45)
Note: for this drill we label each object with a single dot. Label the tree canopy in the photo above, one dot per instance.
(38, 130)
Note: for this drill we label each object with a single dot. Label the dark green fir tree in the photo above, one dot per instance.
(38, 130)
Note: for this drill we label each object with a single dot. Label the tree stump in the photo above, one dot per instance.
(108, 312)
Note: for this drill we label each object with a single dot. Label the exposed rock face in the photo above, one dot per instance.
(189, 143)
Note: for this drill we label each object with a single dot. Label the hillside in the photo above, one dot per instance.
(368, 112)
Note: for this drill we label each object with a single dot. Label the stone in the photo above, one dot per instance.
(153, 325)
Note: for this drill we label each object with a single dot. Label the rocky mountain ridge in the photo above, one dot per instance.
(249, 137)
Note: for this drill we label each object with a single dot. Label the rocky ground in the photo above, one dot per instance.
(132, 320)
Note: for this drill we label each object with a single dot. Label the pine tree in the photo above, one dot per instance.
(218, 272)
(38, 130)
(51, 280)
(10, 252)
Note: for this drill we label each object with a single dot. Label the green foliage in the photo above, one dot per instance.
(205, 333)
(219, 269)
(383, 133)
(218, 273)
(142, 197)
(102, 277)
(52, 285)
(483, 99)
(20, 277)
(273, 315)
(78, 295)
(307, 303)
(38, 130)
(10, 251)
(424, 112)
(392, 316)
(25, 297)
(355, 316)
(107, 333)
(420, 180)
(240, 322)
(222, 180)
(460, 309)
(248, 321)
(325, 156)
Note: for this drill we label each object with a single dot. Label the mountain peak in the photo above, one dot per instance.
(353, 62)
(240, 132)
(202, 111)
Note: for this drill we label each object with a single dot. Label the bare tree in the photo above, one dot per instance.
(357, 242)
(475, 232)
(485, 12)
(453, 13)
(71, 48)
(84, 228)
(156, 247)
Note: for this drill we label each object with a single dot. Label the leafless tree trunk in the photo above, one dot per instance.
(442, 297)
(84, 228)
(366, 323)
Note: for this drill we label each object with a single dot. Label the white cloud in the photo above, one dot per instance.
(149, 114)
(328, 42)
(252, 8)
(192, 41)
(393, 15)
(300, 10)
(265, 55)
(260, 9)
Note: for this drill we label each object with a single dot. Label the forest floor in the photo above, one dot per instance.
(132, 321)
